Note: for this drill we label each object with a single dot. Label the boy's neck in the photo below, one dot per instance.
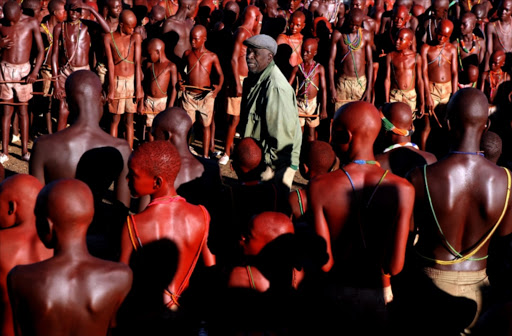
(310, 62)
(295, 36)
(200, 49)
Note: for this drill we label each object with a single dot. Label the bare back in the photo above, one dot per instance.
(68, 297)
(182, 223)
(182, 29)
(19, 245)
(57, 156)
(357, 219)
(468, 196)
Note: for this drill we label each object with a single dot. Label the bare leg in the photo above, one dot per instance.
(311, 134)
(230, 136)
(63, 115)
(212, 136)
(425, 132)
(15, 125)
(48, 117)
(128, 122)
(6, 125)
(23, 117)
(116, 118)
(206, 141)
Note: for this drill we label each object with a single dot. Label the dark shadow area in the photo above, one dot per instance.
(99, 168)
(282, 59)
(143, 311)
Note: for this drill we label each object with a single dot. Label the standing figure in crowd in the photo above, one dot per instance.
(19, 243)
(404, 80)
(440, 75)
(350, 63)
(160, 79)
(250, 26)
(294, 37)
(461, 202)
(311, 80)
(354, 208)
(271, 111)
(17, 73)
(78, 293)
(198, 92)
(123, 49)
(74, 43)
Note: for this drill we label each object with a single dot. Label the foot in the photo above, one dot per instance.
(237, 135)
(4, 158)
(216, 154)
(192, 150)
(224, 159)
(16, 138)
(26, 157)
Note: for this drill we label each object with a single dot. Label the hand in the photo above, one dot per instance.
(139, 95)
(180, 85)
(81, 5)
(58, 93)
(288, 177)
(323, 114)
(110, 96)
(140, 109)
(6, 43)
(430, 104)
(239, 90)
(334, 100)
(31, 78)
(388, 294)
(422, 111)
(366, 97)
(216, 89)
(268, 174)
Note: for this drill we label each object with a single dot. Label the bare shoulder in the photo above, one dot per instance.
(137, 37)
(400, 182)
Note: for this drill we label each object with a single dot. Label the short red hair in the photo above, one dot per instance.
(157, 158)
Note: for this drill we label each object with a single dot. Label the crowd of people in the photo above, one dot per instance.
(121, 227)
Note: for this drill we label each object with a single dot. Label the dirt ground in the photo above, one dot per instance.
(15, 165)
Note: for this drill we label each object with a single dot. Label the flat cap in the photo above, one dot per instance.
(262, 41)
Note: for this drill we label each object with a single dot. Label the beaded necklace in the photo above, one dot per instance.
(123, 59)
(473, 44)
(369, 162)
(401, 144)
(358, 42)
(308, 79)
(503, 33)
(65, 31)
(494, 82)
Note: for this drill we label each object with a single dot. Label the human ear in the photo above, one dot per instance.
(12, 207)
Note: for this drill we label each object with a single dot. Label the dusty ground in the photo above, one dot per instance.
(16, 165)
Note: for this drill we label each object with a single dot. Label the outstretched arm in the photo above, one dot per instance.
(40, 51)
(101, 21)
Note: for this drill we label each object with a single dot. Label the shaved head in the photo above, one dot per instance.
(357, 122)
(491, 145)
(265, 227)
(199, 29)
(157, 13)
(83, 87)
(247, 155)
(156, 44)
(399, 114)
(68, 205)
(128, 17)
(468, 108)
(21, 189)
(173, 122)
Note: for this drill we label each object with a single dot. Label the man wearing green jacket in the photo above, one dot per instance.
(270, 110)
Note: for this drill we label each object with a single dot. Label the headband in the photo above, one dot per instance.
(388, 126)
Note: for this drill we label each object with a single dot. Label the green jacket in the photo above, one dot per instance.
(270, 107)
